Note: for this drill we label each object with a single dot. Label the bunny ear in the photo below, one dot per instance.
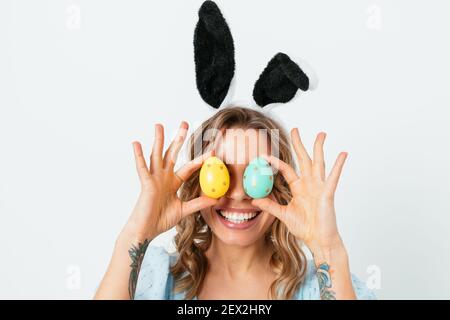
(279, 81)
(214, 54)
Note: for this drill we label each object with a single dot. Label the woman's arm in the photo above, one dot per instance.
(333, 273)
(157, 210)
(310, 215)
(119, 281)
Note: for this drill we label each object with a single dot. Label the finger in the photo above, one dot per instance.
(141, 165)
(270, 206)
(319, 163)
(286, 170)
(333, 177)
(158, 145)
(302, 154)
(189, 168)
(170, 158)
(197, 204)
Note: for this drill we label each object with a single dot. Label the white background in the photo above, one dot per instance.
(80, 80)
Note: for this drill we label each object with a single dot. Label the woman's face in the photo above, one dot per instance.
(234, 220)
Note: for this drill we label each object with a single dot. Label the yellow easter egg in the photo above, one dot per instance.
(214, 178)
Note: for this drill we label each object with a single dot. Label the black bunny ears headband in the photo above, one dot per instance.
(215, 64)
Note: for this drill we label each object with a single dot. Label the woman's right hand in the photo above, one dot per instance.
(158, 207)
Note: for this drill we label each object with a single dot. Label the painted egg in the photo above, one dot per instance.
(214, 178)
(258, 178)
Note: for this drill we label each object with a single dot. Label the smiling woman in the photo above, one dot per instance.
(235, 241)
(220, 225)
(238, 225)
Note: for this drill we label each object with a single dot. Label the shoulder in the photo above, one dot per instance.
(309, 289)
(154, 280)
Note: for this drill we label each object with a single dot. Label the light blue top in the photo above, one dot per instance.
(155, 282)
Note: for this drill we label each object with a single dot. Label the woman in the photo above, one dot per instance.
(234, 242)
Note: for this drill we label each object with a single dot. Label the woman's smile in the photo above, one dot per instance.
(237, 218)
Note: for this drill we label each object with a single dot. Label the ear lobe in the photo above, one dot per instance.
(214, 54)
(279, 81)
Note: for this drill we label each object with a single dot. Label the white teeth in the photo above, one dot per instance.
(237, 217)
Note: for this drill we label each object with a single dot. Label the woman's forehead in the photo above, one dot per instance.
(240, 146)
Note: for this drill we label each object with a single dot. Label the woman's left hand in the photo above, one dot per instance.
(310, 215)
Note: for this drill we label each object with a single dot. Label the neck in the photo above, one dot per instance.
(233, 261)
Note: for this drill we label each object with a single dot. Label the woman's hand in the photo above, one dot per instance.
(158, 207)
(310, 215)
(157, 210)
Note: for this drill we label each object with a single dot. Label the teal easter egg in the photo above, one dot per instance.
(258, 178)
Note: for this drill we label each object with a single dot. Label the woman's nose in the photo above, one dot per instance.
(236, 190)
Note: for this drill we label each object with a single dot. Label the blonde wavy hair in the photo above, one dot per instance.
(194, 237)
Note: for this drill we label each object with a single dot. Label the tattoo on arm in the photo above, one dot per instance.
(137, 255)
(324, 277)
